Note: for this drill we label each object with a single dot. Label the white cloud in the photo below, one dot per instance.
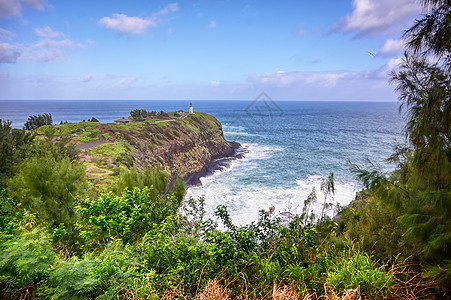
(47, 32)
(13, 8)
(6, 34)
(170, 8)
(136, 25)
(375, 17)
(215, 83)
(385, 71)
(124, 24)
(124, 83)
(37, 4)
(48, 50)
(43, 54)
(49, 43)
(6, 47)
(89, 77)
(282, 79)
(9, 58)
(391, 48)
(8, 54)
(170, 31)
(212, 25)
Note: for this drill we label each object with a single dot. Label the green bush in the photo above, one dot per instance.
(47, 186)
(127, 217)
(25, 260)
(357, 270)
(115, 149)
(72, 279)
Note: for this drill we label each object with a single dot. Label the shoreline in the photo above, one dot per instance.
(217, 163)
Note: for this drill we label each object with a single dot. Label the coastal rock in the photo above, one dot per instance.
(190, 148)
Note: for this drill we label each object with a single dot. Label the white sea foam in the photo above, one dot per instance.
(244, 197)
(253, 152)
(236, 133)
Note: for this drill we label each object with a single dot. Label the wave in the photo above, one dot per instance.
(245, 195)
(251, 154)
(240, 133)
(245, 201)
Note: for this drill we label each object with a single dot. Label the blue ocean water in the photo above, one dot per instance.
(289, 146)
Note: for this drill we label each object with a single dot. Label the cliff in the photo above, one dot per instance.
(185, 146)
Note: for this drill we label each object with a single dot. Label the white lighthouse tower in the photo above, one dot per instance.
(191, 111)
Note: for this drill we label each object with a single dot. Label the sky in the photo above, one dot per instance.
(325, 50)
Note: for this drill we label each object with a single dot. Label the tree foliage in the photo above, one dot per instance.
(140, 114)
(36, 121)
(417, 195)
(127, 216)
(48, 186)
(14, 146)
(48, 180)
(92, 120)
(431, 35)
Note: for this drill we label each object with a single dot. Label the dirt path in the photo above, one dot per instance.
(93, 144)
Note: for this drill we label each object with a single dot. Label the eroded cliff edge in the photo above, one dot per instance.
(187, 148)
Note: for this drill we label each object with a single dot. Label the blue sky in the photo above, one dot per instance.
(215, 50)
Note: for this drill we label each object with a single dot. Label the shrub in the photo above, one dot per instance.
(25, 261)
(127, 217)
(359, 271)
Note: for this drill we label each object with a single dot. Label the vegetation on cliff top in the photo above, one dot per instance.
(144, 142)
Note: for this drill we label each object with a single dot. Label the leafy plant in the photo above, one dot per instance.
(25, 261)
(127, 217)
(357, 270)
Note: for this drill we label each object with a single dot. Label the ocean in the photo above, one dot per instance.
(289, 146)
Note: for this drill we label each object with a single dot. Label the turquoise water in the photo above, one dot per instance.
(289, 146)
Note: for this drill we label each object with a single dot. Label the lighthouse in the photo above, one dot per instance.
(191, 111)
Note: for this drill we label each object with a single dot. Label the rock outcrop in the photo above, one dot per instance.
(188, 147)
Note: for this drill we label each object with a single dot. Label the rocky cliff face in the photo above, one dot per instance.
(185, 146)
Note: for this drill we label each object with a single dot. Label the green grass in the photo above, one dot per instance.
(88, 136)
(69, 128)
(109, 149)
(358, 270)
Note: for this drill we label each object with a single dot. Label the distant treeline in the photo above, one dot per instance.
(139, 114)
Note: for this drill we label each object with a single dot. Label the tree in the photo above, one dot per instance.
(48, 187)
(155, 178)
(14, 144)
(418, 193)
(424, 84)
(431, 35)
(139, 114)
(36, 121)
(48, 180)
